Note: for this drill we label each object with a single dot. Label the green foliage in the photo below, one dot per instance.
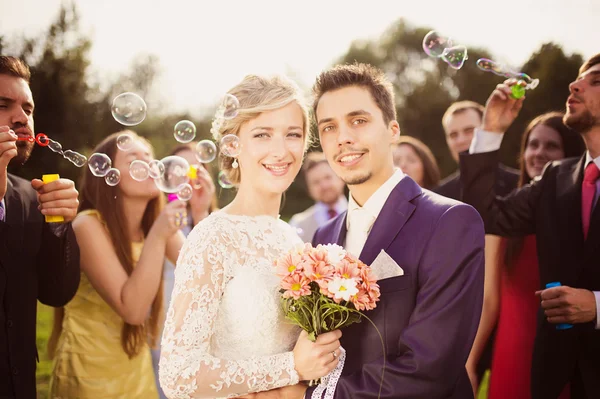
(317, 313)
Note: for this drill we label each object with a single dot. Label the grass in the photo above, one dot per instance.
(44, 367)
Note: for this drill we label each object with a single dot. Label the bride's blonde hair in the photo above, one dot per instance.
(257, 94)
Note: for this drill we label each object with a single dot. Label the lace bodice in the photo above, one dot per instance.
(225, 334)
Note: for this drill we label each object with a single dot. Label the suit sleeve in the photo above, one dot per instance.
(433, 348)
(58, 267)
(513, 215)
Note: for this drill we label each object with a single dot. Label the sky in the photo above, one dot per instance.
(206, 47)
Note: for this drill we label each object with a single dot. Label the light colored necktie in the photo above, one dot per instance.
(360, 223)
(588, 191)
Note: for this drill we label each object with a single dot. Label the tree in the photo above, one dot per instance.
(59, 62)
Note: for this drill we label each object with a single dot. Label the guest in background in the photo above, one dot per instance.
(459, 122)
(546, 139)
(100, 338)
(417, 161)
(202, 203)
(327, 189)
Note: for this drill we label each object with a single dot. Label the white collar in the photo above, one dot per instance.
(375, 203)
(588, 159)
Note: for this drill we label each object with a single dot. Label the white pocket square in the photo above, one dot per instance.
(385, 267)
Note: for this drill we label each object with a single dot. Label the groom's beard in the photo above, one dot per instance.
(354, 180)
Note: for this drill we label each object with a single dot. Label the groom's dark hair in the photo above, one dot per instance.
(361, 75)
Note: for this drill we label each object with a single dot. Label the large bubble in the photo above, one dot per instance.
(175, 174)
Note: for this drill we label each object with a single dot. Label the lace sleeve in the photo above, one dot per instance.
(187, 368)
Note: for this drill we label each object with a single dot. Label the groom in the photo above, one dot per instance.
(429, 311)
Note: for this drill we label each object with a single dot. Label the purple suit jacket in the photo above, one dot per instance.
(429, 316)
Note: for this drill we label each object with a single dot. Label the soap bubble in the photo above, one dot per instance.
(139, 170)
(434, 44)
(156, 169)
(231, 106)
(175, 174)
(455, 56)
(490, 66)
(223, 180)
(128, 109)
(113, 177)
(124, 142)
(206, 151)
(184, 131)
(99, 164)
(76, 158)
(185, 192)
(55, 146)
(230, 145)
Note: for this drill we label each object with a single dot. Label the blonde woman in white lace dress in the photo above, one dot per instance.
(225, 334)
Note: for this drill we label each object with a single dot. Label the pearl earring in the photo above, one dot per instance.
(235, 164)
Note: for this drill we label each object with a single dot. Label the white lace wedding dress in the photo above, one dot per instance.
(225, 334)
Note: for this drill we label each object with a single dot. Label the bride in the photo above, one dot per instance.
(225, 333)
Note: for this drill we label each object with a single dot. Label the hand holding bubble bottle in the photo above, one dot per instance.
(523, 81)
(560, 326)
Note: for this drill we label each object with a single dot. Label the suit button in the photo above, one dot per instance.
(9, 324)
(15, 371)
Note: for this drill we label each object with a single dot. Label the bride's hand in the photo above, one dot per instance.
(316, 359)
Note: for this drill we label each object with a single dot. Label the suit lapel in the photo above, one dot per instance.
(394, 215)
(12, 229)
(339, 229)
(568, 190)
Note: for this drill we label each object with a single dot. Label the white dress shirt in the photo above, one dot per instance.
(489, 141)
(3, 206)
(360, 219)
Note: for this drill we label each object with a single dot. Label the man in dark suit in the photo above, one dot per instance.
(560, 208)
(459, 122)
(38, 260)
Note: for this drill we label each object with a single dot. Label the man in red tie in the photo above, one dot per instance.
(326, 189)
(560, 208)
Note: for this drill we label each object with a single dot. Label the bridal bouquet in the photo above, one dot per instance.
(325, 288)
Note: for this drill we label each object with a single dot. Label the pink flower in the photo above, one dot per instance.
(367, 276)
(346, 269)
(290, 263)
(316, 268)
(296, 285)
(361, 299)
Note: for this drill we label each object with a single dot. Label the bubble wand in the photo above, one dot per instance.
(524, 81)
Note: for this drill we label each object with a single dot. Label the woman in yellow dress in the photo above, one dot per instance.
(100, 339)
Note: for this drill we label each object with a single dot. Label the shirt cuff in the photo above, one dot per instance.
(484, 141)
(597, 295)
